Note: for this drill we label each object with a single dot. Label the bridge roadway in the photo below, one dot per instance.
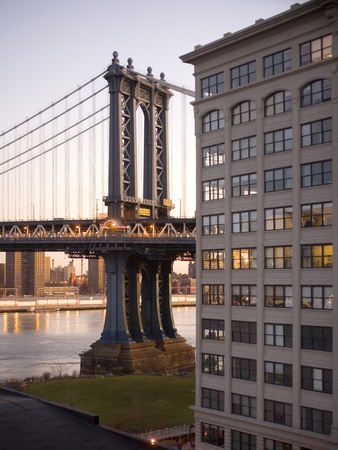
(89, 238)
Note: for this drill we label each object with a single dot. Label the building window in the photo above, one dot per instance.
(213, 399)
(316, 50)
(315, 379)
(244, 74)
(317, 338)
(317, 132)
(212, 364)
(315, 92)
(213, 329)
(317, 297)
(213, 294)
(278, 412)
(212, 434)
(317, 173)
(317, 215)
(244, 112)
(270, 444)
(278, 218)
(244, 258)
(278, 141)
(243, 405)
(277, 63)
(278, 296)
(278, 373)
(244, 148)
(244, 295)
(278, 179)
(245, 332)
(244, 221)
(316, 420)
(277, 103)
(244, 185)
(278, 335)
(314, 256)
(213, 155)
(213, 190)
(213, 225)
(212, 85)
(278, 257)
(213, 121)
(213, 259)
(240, 440)
(244, 369)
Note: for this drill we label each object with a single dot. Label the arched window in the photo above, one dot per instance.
(213, 121)
(243, 112)
(277, 103)
(317, 91)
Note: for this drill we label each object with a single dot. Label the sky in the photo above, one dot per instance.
(48, 47)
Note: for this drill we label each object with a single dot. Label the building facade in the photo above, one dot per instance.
(266, 112)
(97, 278)
(25, 273)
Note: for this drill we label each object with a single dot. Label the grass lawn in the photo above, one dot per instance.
(130, 402)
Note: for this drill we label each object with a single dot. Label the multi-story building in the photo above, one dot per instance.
(266, 112)
(25, 272)
(96, 276)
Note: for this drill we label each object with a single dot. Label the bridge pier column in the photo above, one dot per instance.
(134, 306)
(166, 305)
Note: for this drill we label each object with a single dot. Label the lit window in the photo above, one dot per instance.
(212, 85)
(316, 50)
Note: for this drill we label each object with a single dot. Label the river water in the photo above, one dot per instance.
(31, 344)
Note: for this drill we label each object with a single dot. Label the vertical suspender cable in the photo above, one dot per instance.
(67, 162)
(54, 168)
(79, 158)
(92, 157)
(42, 160)
(184, 152)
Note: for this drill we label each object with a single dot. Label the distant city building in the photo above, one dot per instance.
(96, 276)
(2, 275)
(192, 269)
(25, 272)
(47, 269)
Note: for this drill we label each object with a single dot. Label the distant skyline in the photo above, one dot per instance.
(48, 48)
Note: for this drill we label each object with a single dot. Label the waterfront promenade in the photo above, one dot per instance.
(32, 304)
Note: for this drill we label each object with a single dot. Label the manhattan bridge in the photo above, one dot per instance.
(110, 135)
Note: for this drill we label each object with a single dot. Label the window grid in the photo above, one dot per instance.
(317, 297)
(244, 148)
(213, 329)
(278, 218)
(278, 179)
(244, 405)
(278, 62)
(244, 369)
(213, 294)
(212, 85)
(317, 173)
(316, 338)
(278, 373)
(244, 258)
(245, 332)
(270, 444)
(278, 335)
(318, 380)
(241, 440)
(213, 364)
(278, 257)
(244, 221)
(316, 215)
(213, 225)
(317, 256)
(316, 420)
(212, 434)
(213, 155)
(244, 185)
(278, 412)
(244, 112)
(316, 92)
(213, 259)
(278, 103)
(316, 50)
(213, 190)
(244, 295)
(243, 74)
(212, 399)
(278, 296)
(317, 132)
(213, 121)
(278, 141)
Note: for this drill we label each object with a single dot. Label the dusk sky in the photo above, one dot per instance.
(48, 48)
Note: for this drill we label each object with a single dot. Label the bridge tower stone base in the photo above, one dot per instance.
(170, 357)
